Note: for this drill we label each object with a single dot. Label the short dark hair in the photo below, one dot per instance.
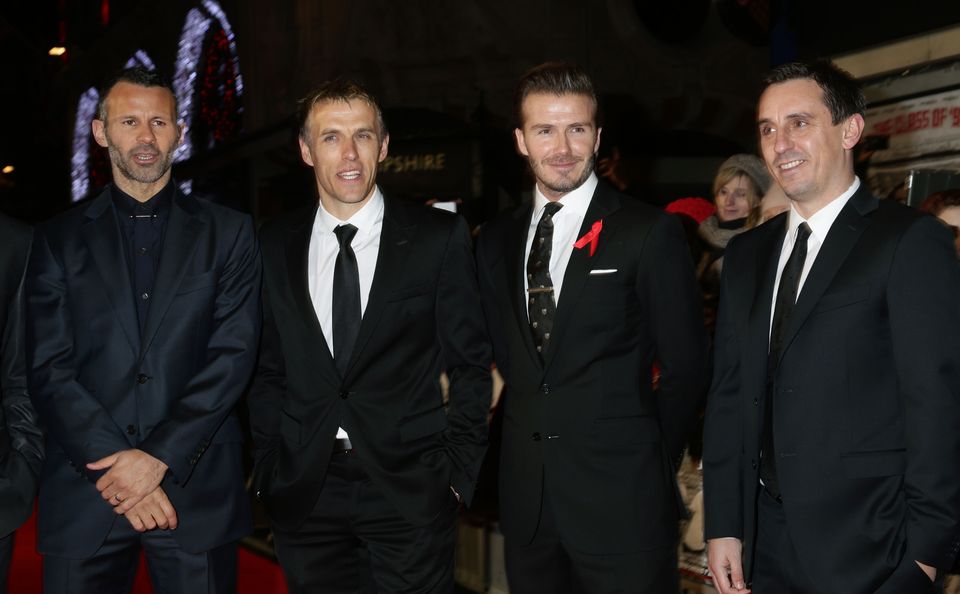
(555, 78)
(841, 92)
(337, 90)
(940, 201)
(137, 75)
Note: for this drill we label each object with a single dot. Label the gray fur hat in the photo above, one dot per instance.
(750, 165)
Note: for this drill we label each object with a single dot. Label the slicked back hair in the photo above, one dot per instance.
(841, 92)
(140, 76)
(554, 78)
(340, 91)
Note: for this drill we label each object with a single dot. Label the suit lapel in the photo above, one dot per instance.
(603, 204)
(515, 268)
(767, 259)
(106, 244)
(297, 254)
(843, 235)
(181, 235)
(396, 238)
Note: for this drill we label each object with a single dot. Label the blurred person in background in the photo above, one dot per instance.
(945, 206)
(21, 441)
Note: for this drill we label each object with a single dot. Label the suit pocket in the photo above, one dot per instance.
(409, 292)
(874, 464)
(423, 424)
(845, 298)
(627, 430)
(197, 282)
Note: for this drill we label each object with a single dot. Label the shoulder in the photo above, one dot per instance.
(13, 230)
(405, 213)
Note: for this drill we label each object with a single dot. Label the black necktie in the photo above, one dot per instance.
(786, 300)
(346, 298)
(540, 302)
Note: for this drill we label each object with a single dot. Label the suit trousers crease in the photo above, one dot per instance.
(112, 569)
(355, 541)
(547, 565)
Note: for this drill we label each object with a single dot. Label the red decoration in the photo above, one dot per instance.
(218, 110)
(592, 237)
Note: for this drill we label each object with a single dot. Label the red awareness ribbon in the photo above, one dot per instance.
(592, 237)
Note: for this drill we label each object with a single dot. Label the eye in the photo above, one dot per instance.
(578, 129)
(543, 132)
(767, 130)
(128, 121)
(800, 123)
(329, 138)
(364, 136)
(159, 123)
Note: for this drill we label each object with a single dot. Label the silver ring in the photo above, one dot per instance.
(117, 497)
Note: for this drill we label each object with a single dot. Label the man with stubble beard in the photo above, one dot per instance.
(583, 290)
(142, 321)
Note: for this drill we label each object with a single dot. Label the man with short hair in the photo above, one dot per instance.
(21, 441)
(143, 316)
(831, 448)
(584, 291)
(366, 300)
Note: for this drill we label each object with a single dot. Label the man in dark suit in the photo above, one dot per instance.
(366, 300)
(142, 323)
(832, 452)
(21, 441)
(584, 290)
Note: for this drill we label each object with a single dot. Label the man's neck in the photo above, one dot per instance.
(344, 210)
(141, 192)
(809, 207)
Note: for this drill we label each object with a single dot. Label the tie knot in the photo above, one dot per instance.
(345, 234)
(803, 232)
(551, 209)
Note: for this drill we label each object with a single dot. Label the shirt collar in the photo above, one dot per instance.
(364, 220)
(127, 205)
(823, 219)
(574, 202)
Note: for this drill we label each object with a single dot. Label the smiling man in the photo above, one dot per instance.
(831, 447)
(366, 300)
(583, 290)
(142, 309)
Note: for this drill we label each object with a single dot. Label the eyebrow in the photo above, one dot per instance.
(800, 115)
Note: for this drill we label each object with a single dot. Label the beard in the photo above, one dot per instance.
(133, 171)
(562, 184)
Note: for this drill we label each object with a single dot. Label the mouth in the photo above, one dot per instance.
(145, 158)
(351, 175)
(790, 165)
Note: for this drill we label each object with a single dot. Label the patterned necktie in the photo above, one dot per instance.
(786, 300)
(541, 303)
(346, 298)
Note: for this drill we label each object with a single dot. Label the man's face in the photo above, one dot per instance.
(809, 156)
(951, 216)
(560, 139)
(344, 147)
(140, 134)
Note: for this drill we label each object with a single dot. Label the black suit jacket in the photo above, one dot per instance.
(586, 423)
(423, 316)
(21, 442)
(100, 386)
(867, 396)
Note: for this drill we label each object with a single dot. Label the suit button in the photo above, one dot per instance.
(142, 378)
(756, 402)
(545, 388)
(753, 464)
(344, 395)
(131, 430)
(535, 437)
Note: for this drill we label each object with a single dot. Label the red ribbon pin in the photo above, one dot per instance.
(592, 237)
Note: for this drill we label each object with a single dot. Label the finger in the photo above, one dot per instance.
(736, 575)
(135, 521)
(103, 462)
(169, 512)
(128, 503)
(104, 482)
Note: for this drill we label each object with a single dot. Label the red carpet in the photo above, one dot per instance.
(256, 575)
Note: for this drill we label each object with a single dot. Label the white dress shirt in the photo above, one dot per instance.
(566, 225)
(820, 224)
(322, 259)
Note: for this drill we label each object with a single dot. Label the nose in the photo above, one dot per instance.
(350, 150)
(145, 135)
(783, 141)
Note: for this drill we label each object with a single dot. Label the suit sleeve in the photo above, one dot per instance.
(668, 284)
(466, 354)
(72, 416)
(923, 298)
(213, 391)
(723, 435)
(266, 396)
(21, 465)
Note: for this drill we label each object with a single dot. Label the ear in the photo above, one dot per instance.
(596, 145)
(852, 130)
(99, 132)
(521, 144)
(181, 133)
(305, 152)
(383, 148)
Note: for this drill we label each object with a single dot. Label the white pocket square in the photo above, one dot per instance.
(603, 271)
